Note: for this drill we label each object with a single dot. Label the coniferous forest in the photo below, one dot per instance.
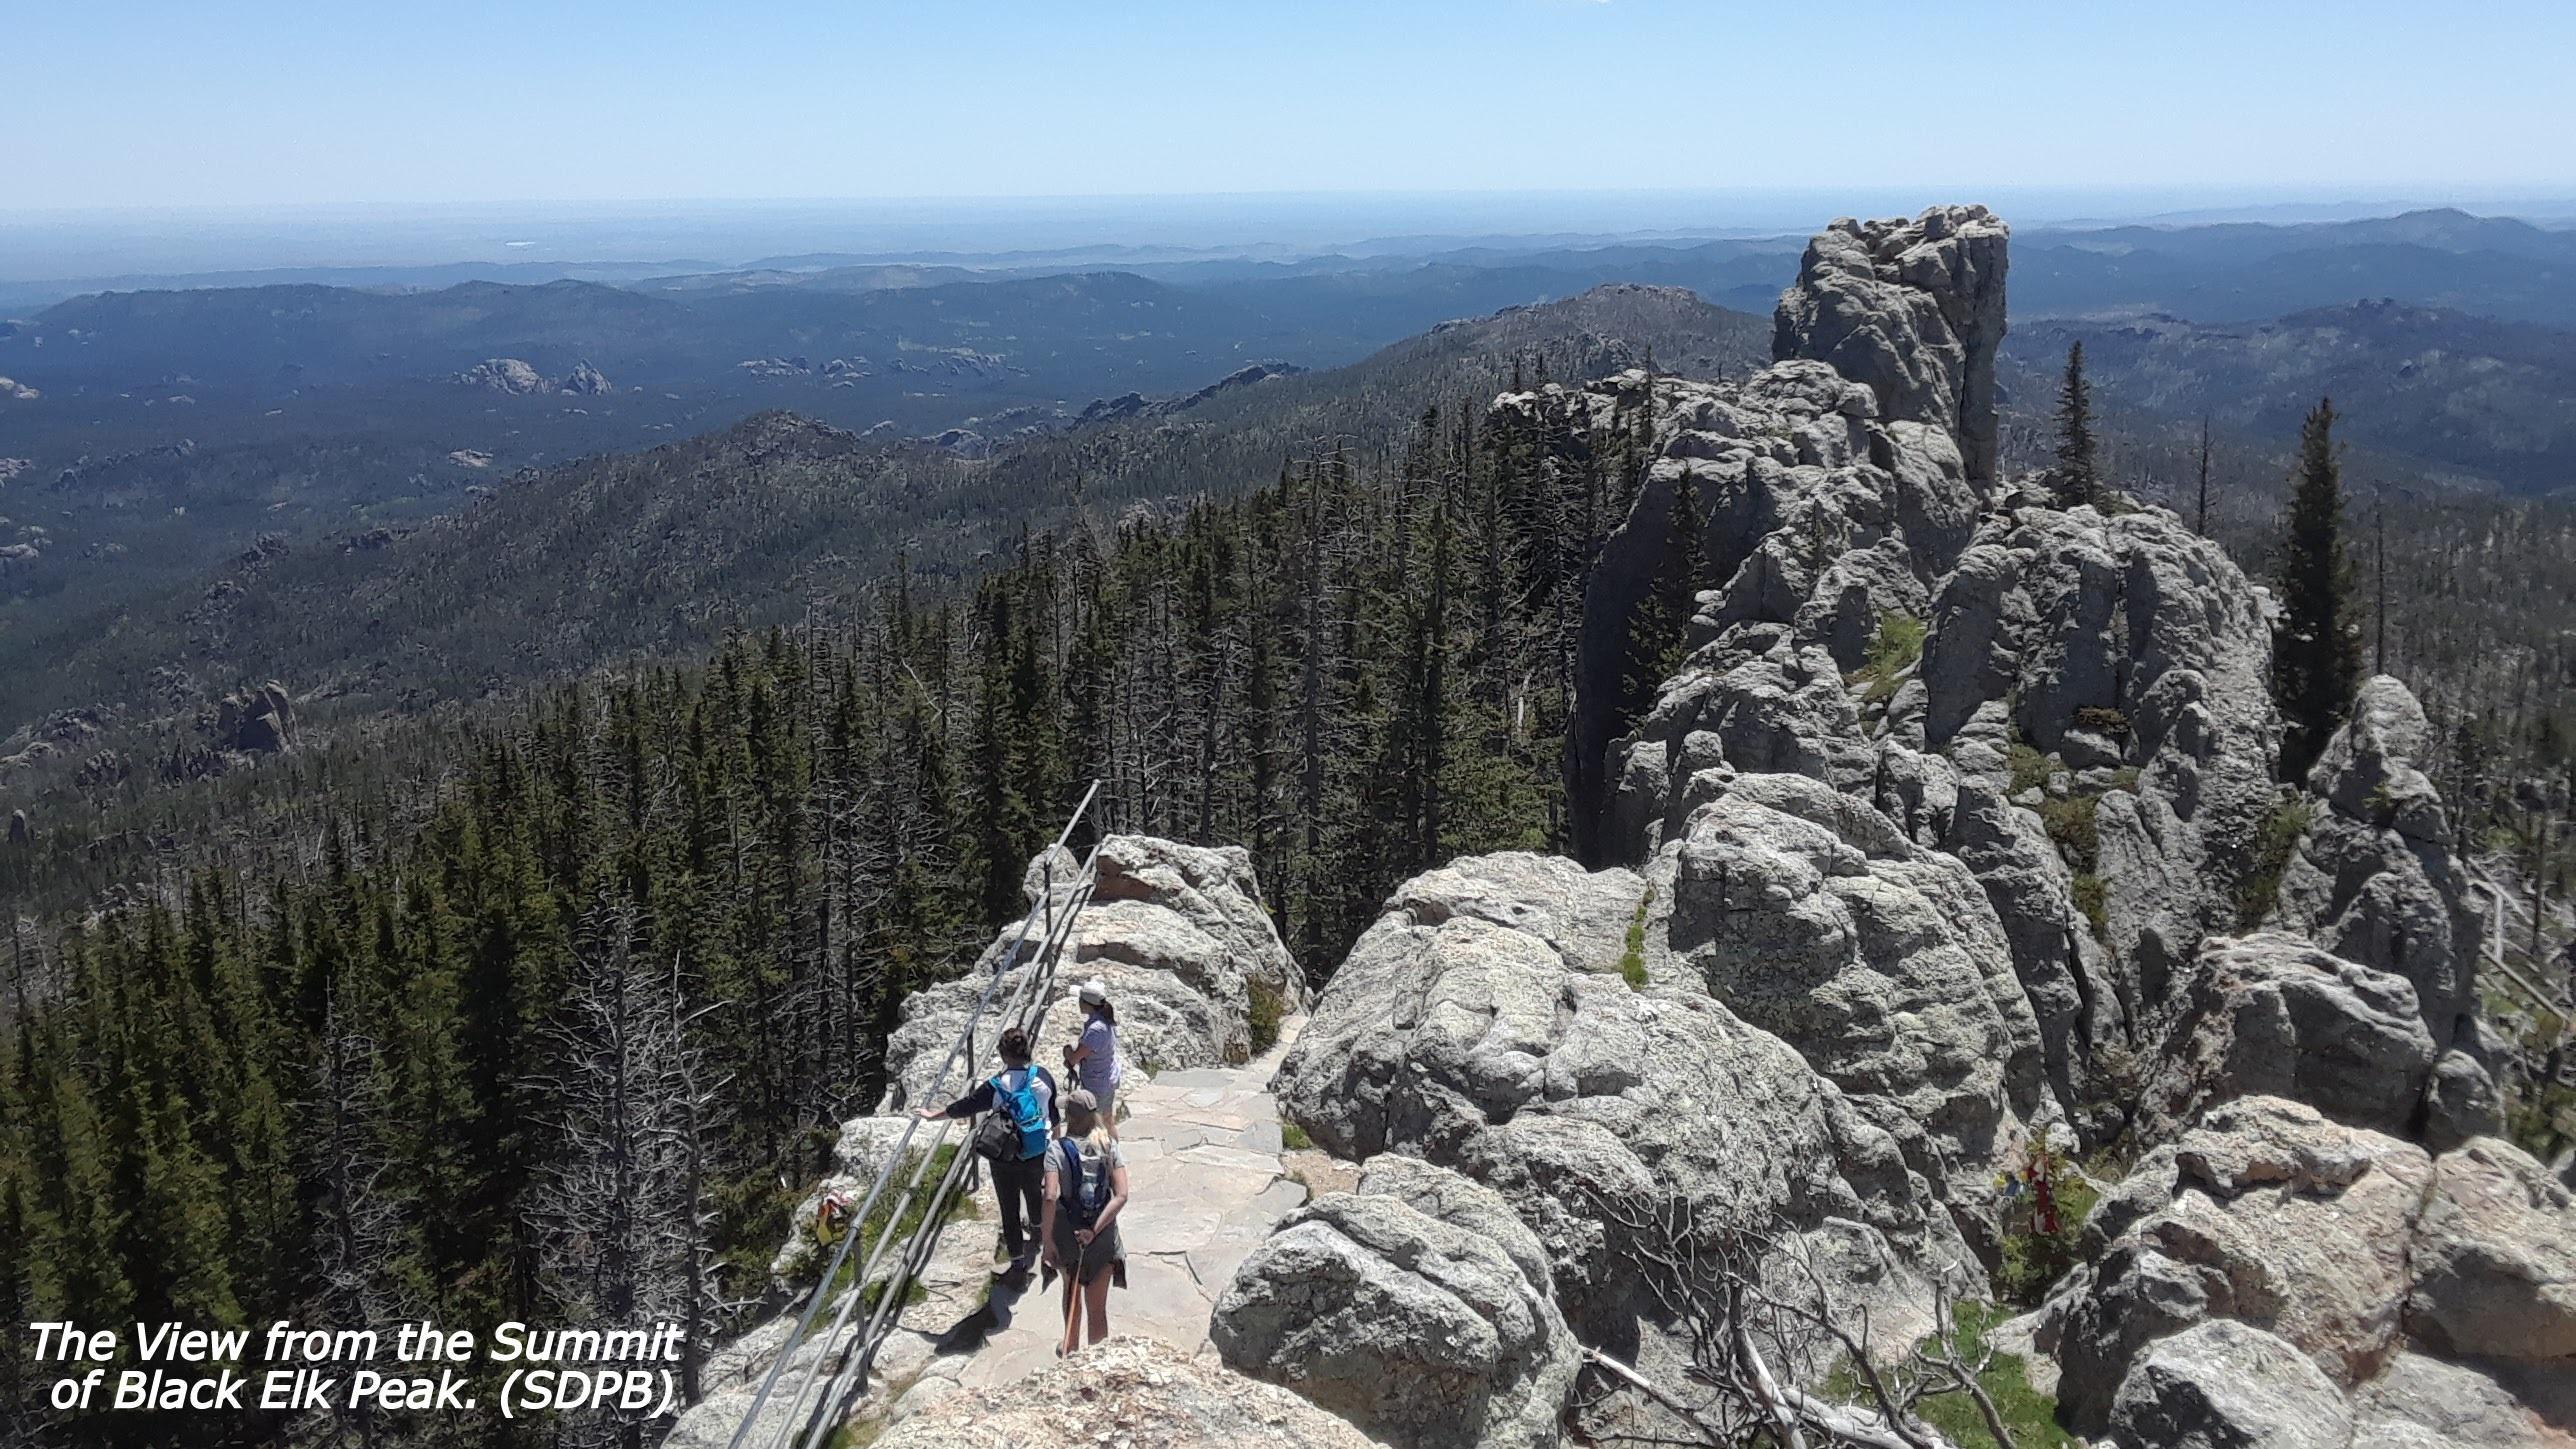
(561, 1029)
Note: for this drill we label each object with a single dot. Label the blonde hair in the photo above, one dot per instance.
(1098, 1140)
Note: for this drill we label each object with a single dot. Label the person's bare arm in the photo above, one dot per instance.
(1109, 1210)
(1046, 1213)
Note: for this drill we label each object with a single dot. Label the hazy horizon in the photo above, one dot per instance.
(105, 245)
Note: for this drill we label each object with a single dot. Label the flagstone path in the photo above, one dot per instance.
(1206, 1181)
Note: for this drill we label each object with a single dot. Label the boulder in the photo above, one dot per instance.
(2376, 1264)
(2269, 1015)
(1419, 1308)
(2426, 1403)
(2277, 1218)
(2495, 1260)
(1128, 1391)
(2225, 1385)
(1809, 914)
(1177, 932)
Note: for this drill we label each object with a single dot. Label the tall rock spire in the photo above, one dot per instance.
(1914, 310)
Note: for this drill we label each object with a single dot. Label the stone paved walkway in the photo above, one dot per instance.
(1205, 1183)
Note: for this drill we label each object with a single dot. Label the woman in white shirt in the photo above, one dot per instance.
(1093, 1058)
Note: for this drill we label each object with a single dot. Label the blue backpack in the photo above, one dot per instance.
(1024, 1111)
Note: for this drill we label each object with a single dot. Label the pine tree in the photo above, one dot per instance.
(2316, 661)
(1659, 631)
(2076, 477)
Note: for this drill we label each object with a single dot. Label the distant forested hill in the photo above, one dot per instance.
(664, 550)
(2463, 396)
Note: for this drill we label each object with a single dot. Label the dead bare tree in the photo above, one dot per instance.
(1761, 1327)
(357, 1226)
(627, 1224)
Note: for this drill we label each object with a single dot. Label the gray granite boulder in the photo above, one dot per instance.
(1419, 1308)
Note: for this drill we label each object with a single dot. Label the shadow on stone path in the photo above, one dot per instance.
(1205, 1182)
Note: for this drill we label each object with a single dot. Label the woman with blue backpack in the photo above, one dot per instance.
(1018, 1105)
(1086, 1186)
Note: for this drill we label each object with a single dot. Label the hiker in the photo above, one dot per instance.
(1093, 1059)
(1086, 1186)
(1018, 1104)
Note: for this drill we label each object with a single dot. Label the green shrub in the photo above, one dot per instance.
(2542, 1119)
(2093, 898)
(2274, 844)
(1294, 1138)
(913, 1211)
(2033, 1261)
(2071, 823)
(1632, 962)
(2030, 1415)
(2106, 722)
(1266, 1008)
(2125, 778)
(2030, 769)
(1895, 648)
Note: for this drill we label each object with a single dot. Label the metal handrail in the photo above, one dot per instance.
(1040, 910)
(1028, 1012)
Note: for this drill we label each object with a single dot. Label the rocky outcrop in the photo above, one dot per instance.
(1913, 309)
(1487, 1023)
(2350, 1250)
(1137, 1392)
(1829, 489)
(1942, 840)
(1419, 1307)
(1178, 933)
(257, 721)
(508, 375)
(2374, 879)
(2125, 660)
(514, 377)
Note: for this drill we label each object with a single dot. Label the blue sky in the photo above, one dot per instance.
(259, 104)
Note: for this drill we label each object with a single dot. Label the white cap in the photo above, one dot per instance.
(1095, 992)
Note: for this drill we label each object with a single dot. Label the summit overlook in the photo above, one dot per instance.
(1650, 897)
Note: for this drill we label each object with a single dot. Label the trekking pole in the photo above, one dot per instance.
(1073, 1288)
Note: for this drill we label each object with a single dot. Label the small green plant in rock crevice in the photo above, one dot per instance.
(1894, 649)
(2274, 844)
(1266, 1009)
(1295, 1138)
(2030, 769)
(2071, 823)
(1632, 962)
(2046, 1200)
(2092, 897)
